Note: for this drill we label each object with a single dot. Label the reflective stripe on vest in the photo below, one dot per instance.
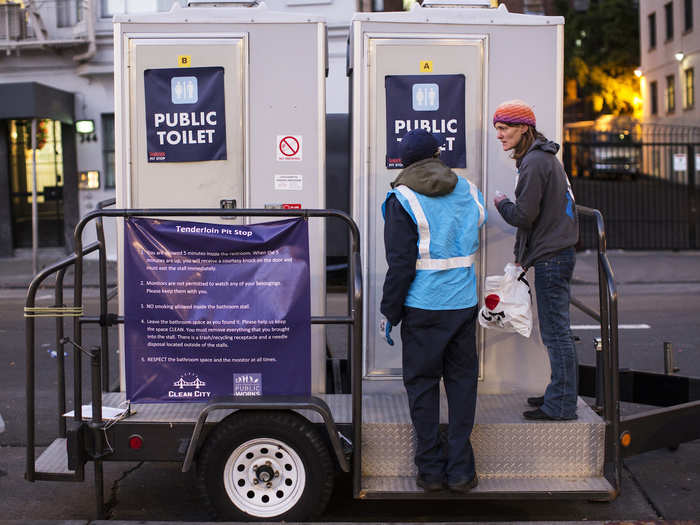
(475, 195)
(425, 262)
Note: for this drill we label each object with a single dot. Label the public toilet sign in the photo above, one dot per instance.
(185, 115)
(431, 102)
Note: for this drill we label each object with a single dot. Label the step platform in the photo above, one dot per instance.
(515, 457)
(53, 462)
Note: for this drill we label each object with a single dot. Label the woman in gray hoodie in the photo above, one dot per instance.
(544, 212)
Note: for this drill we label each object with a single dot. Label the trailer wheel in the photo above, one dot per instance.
(262, 465)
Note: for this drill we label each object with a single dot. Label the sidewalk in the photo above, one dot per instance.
(16, 271)
(641, 267)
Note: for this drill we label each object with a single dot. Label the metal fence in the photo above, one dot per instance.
(644, 180)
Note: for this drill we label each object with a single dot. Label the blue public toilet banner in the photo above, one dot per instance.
(431, 102)
(215, 310)
(185, 114)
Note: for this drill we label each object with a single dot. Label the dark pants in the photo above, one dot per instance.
(441, 343)
(552, 285)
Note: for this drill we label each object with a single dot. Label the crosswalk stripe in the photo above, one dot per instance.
(641, 326)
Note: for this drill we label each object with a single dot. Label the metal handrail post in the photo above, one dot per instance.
(615, 386)
(60, 360)
(607, 296)
(30, 379)
(356, 365)
(96, 427)
(104, 332)
(607, 363)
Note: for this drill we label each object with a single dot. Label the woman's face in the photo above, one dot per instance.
(509, 135)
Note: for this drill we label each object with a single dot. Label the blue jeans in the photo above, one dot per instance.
(552, 285)
(441, 343)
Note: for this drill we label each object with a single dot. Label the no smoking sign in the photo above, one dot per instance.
(289, 147)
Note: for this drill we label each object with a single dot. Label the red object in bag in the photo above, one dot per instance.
(492, 301)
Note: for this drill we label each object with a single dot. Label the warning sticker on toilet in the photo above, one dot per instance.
(289, 147)
(289, 182)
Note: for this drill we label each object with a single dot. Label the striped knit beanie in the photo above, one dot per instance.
(514, 112)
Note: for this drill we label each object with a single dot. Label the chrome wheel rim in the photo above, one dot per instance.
(264, 477)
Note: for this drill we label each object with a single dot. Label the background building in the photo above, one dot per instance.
(670, 61)
(57, 66)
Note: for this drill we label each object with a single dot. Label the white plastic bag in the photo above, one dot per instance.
(507, 302)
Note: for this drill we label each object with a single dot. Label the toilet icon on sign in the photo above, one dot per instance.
(183, 90)
(426, 97)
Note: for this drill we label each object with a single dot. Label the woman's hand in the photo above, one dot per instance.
(498, 197)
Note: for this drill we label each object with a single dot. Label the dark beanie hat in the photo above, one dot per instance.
(417, 145)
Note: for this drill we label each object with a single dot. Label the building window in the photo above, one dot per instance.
(654, 97)
(68, 12)
(668, 9)
(49, 181)
(108, 149)
(688, 25)
(652, 31)
(110, 8)
(655, 161)
(670, 93)
(533, 7)
(689, 84)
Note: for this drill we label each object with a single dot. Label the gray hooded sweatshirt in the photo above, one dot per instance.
(544, 210)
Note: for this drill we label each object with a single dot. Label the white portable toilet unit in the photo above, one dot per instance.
(257, 136)
(445, 67)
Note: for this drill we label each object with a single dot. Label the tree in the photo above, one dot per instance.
(601, 52)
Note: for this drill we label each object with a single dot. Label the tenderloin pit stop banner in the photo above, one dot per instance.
(214, 310)
(431, 102)
(185, 115)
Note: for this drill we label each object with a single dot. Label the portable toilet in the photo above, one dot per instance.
(222, 105)
(445, 66)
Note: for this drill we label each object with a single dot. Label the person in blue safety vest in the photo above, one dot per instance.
(431, 235)
(544, 212)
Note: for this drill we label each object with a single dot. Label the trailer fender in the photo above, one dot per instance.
(268, 403)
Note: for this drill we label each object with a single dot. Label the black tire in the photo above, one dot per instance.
(263, 466)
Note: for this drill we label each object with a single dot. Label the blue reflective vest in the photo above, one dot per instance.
(448, 239)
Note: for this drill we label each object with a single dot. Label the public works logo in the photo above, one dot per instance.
(247, 384)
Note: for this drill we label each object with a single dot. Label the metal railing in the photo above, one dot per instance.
(97, 355)
(607, 356)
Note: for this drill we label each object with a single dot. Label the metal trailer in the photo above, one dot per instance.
(289, 447)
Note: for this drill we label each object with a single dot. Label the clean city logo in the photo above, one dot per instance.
(184, 386)
(247, 384)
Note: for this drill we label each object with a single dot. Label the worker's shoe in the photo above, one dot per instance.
(429, 485)
(464, 486)
(539, 415)
(535, 401)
